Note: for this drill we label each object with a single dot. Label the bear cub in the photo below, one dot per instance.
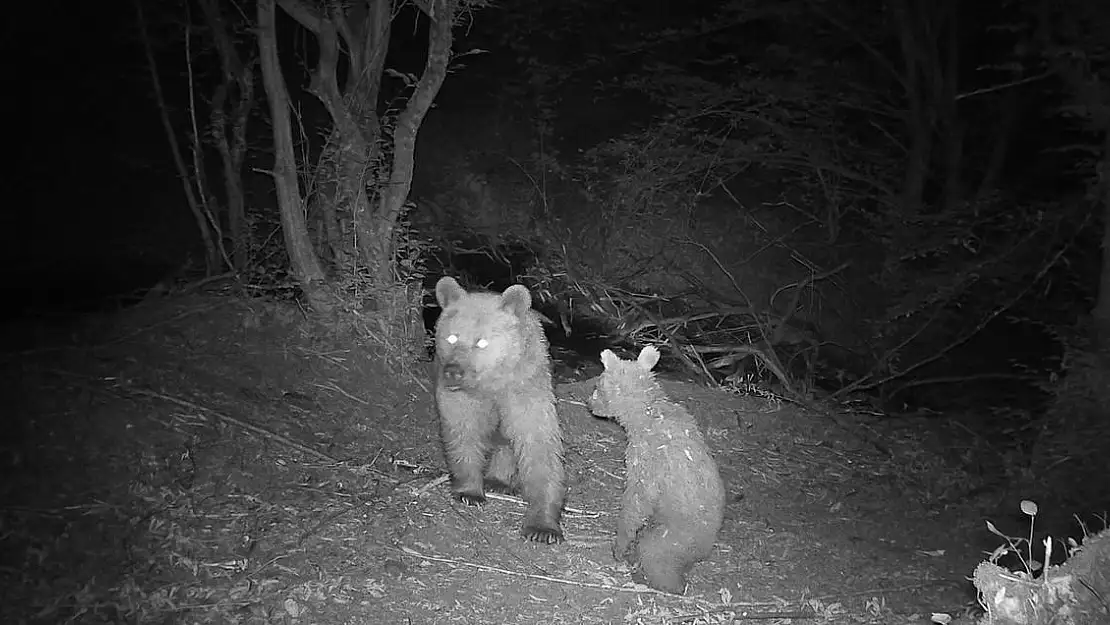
(496, 404)
(673, 496)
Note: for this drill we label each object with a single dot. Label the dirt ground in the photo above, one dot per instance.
(219, 460)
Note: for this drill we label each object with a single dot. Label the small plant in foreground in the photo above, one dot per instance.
(1071, 593)
(1014, 545)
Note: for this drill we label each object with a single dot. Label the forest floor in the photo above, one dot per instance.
(219, 460)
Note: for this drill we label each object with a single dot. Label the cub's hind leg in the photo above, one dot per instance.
(638, 506)
(629, 525)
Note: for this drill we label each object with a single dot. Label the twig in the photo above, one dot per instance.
(430, 485)
(254, 429)
(133, 334)
(148, 328)
(803, 613)
(739, 352)
(958, 379)
(175, 148)
(882, 58)
(879, 589)
(721, 267)
(332, 386)
(869, 381)
(199, 178)
(643, 590)
(748, 616)
(1005, 85)
(547, 578)
(122, 386)
(566, 509)
(690, 318)
(676, 347)
(780, 329)
(334, 516)
(498, 496)
(324, 522)
(196, 284)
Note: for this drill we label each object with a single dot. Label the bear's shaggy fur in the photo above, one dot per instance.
(673, 496)
(496, 404)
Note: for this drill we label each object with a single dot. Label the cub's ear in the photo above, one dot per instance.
(609, 360)
(648, 358)
(448, 291)
(517, 300)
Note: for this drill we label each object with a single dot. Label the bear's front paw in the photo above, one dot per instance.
(543, 534)
(471, 498)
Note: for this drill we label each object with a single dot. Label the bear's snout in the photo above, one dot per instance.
(453, 374)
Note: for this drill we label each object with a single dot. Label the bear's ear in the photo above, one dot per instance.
(649, 356)
(517, 300)
(448, 291)
(609, 360)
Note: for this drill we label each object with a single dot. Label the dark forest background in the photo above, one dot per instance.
(899, 201)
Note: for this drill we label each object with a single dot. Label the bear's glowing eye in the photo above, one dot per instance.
(482, 343)
(452, 339)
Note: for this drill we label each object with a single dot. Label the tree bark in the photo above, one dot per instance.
(927, 32)
(381, 226)
(238, 84)
(360, 197)
(919, 117)
(302, 258)
(346, 168)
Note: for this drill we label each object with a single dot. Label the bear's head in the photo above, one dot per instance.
(626, 387)
(483, 339)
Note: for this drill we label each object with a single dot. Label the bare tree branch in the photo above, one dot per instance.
(440, 40)
(305, 15)
(305, 266)
(175, 148)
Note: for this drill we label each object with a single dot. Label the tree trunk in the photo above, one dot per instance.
(346, 169)
(305, 266)
(205, 231)
(929, 39)
(237, 85)
(231, 158)
(919, 116)
(948, 88)
(1000, 146)
(361, 197)
(379, 229)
